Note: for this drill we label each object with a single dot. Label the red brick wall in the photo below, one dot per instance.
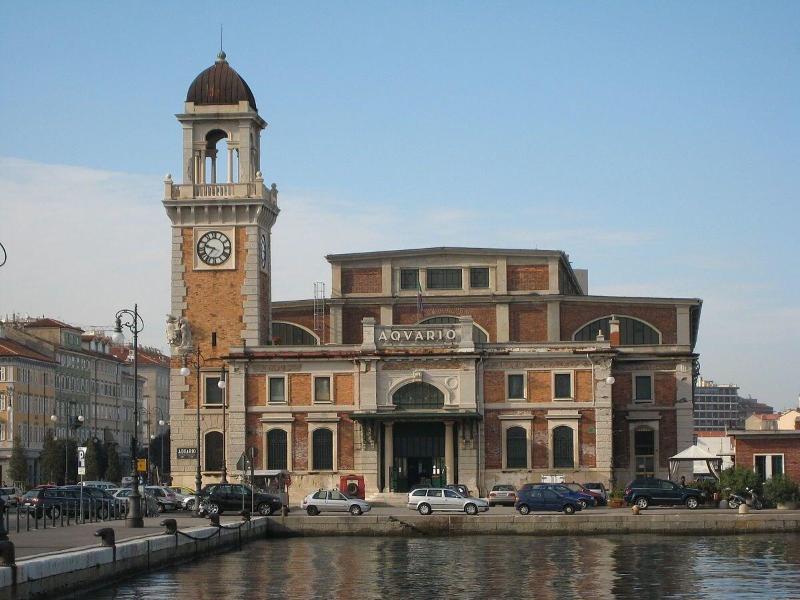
(493, 436)
(583, 385)
(540, 442)
(620, 439)
(667, 437)
(351, 321)
(789, 447)
(622, 390)
(265, 293)
(302, 316)
(494, 386)
(539, 386)
(361, 281)
(586, 439)
(527, 322)
(665, 389)
(484, 315)
(255, 390)
(578, 314)
(299, 442)
(300, 389)
(345, 440)
(343, 388)
(527, 277)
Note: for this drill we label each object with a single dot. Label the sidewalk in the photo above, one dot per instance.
(40, 541)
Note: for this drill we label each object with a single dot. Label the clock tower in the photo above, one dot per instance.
(221, 215)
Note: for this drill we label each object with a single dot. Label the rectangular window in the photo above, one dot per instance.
(562, 386)
(213, 392)
(768, 466)
(2, 401)
(444, 279)
(643, 388)
(479, 277)
(277, 389)
(2, 373)
(409, 279)
(516, 386)
(322, 389)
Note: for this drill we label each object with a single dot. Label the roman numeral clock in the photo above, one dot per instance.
(214, 248)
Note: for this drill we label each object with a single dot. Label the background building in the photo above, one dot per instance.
(719, 407)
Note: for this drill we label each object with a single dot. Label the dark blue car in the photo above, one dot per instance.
(546, 498)
(584, 500)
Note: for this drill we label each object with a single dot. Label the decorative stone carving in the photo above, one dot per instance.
(179, 333)
(368, 435)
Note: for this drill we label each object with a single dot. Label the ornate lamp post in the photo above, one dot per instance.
(131, 320)
(197, 363)
(72, 424)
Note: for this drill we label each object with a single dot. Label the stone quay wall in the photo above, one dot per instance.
(83, 569)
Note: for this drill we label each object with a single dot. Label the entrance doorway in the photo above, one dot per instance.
(418, 456)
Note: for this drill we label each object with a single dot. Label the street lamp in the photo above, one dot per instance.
(131, 320)
(73, 423)
(198, 478)
(221, 384)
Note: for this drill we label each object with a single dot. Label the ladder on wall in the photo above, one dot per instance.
(319, 310)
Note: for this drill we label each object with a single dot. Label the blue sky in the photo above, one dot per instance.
(658, 144)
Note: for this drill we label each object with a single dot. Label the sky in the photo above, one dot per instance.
(657, 143)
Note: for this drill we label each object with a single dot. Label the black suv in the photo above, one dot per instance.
(219, 497)
(646, 491)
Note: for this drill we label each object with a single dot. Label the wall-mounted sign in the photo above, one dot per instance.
(82, 460)
(186, 453)
(418, 335)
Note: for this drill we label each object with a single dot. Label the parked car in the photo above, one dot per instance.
(578, 488)
(100, 485)
(545, 497)
(188, 502)
(217, 498)
(428, 500)
(55, 501)
(333, 501)
(149, 502)
(164, 496)
(460, 488)
(647, 491)
(103, 504)
(583, 499)
(10, 495)
(181, 495)
(598, 488)
(503, 493)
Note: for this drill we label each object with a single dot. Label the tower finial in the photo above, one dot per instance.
(221, 56)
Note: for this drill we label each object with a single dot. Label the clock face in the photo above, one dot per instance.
(263, 251)
(214, 248)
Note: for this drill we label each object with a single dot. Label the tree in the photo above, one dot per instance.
(71, 455)
(114, 468)
(52, 458)
(18, 469)
(95, 461)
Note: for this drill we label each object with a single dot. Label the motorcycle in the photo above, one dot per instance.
(736, 500)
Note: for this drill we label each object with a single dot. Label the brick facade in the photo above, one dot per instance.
(361, 281)
(527, 277)
(527, 322)
(747, 447)
(351, 322)
(304, 317)
(300, 389)
(346, 451)
(577, 314)
(343, 388)
(484, 315)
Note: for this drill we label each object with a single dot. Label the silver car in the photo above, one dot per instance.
(428, 500)
(334, 501)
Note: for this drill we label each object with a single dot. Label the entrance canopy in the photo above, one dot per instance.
(695, 453)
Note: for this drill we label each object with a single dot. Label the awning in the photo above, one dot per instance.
(695, 453)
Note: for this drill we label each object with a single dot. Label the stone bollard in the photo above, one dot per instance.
(107, 537)
(744, 509)
(214, 520)
(171, 525)
(723, 503)
(7, 554)
(245, 515)
(284, 511)
(635, 509)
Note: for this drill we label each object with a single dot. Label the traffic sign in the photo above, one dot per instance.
(81, 460)
(141, 465)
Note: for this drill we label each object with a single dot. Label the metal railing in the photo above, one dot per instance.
(66, 513)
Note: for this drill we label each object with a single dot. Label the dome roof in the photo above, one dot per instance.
(220, 84)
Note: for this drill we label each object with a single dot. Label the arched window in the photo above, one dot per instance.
(479, 335)
(516, 448)
(563, 450)
(214, 454)
(418, 395)
(276, 449)
(632, 332)
(322, 441)
(289, 334)
(218, 159)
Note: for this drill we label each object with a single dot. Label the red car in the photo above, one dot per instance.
(599, 499)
